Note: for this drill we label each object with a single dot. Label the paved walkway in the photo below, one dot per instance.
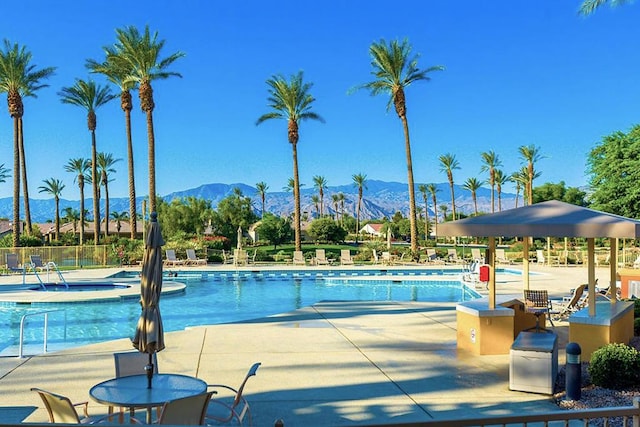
(336, 363)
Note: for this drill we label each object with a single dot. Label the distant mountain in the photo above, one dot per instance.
(380, 199)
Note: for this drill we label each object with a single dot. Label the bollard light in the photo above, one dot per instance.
(573, 372)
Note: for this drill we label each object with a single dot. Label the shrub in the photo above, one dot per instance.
(636, 327)
(615, 366)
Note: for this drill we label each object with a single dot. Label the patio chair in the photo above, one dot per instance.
(345, 257)
(386, 258)
(321, 257)
(240, 257)
(192, 259)
(537, 303)
(476, 254)
(234, 407)
(501, 257)
(38, 265)
(298, 258)
(432, 256)
(131, 363)
(171, 259)
(573, 303)
(11, 261)
(186, 411)
(62, 410)
(452, 256)
(226, 258)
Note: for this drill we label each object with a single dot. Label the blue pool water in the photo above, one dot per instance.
(213, 298)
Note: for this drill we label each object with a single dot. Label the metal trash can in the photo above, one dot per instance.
(533, 362)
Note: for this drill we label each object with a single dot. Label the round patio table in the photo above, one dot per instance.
(132, 392)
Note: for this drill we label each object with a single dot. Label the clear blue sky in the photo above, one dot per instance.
(517, 73)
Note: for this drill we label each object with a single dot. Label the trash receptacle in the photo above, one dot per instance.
(533, 363)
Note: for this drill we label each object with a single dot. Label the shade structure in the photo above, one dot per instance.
(239, 244)
(149, 335)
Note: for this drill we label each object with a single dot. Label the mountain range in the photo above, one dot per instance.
(380, 199)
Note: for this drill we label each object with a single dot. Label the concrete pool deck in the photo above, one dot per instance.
(335, 363)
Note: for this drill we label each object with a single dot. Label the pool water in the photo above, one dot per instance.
(213, 299)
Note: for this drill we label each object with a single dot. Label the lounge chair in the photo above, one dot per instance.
(227, 408)
(62, 410)
(131, 363)
(171, 259)
(543, 260)
(569, 305)
(226, 258)
(321, 257)
(432, 256)
(345, 257)
(476, 254)
(298, 258)
(11, 261)
(386, 258)
(501, 257)
(38, 265)
(186, 411)
(240, 257)
(452, 255)
(192, 259)
(537, 303)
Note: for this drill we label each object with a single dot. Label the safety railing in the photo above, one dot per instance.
(44, 313)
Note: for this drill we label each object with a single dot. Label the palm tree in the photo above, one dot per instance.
(320, 184)
(73, 216)
(519, 182)
(473, 185)
(261, 189)
(360, 181)
(422, 188)
(341, 198)
(117, 75)
(490, 162)
(394, 70)
(530, 154)
(139, 54)
(335, 199)
(90, 96)
(291, 100)
(448, 164)
(432, 189)
(80, 167)
(54, 187)
(105, 165)
(315, 199)
(19, 78)
(589, 6)
(444, 209)
(501, 179)
(118, 217)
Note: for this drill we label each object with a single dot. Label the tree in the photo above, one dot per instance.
(118, 217)
(360, 181)
(490, 162)
(501, 179)
(187, 217)
(54, 187)
(139, 54)
(473, 185)
(90, 96)
(261, 189)
(519, 181)
(448, 164)
(320, 184)
(326, 230)
(80, 167)
(73, 216)
(432, 189)
(233, 211)
(315, 199)
(559, 191)
(290, 100)
(342, 198)
(105, 166)
(275, 230)
(335, 199)
(19, 78)
(118, 76)
(530, 154)
(589, 6)
(422, 188)
(395, 69)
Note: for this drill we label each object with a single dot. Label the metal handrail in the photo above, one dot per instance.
(46, 327)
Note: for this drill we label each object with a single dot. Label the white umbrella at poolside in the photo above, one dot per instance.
(239, 246)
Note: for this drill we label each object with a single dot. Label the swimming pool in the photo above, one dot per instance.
(220, 297)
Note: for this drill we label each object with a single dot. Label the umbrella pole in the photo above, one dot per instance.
(149, 369)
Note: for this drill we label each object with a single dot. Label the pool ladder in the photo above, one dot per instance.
(48, 266)
(46, 329)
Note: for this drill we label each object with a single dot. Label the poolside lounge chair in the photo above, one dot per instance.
(171, 259)
(224, 409)
(38, 265)
(452, 255)
(226, 257)
(432, 256)
(240, 257)
(321, 257)
(298, 258)
(131, 363)
(192, 259)
(62, 410)
(345, 257)
(537, 303)
(186, 411)
(476, 254)
(386, 258)
(577, 301)
(11, 261)
(543, 260)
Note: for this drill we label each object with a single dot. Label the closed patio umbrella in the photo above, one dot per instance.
(149, 336)
(388, 238)
(239, 245)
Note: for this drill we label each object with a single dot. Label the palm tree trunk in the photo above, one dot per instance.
(94, 183)
(57, 218)
(152, 162)
(16, 185)
(412, 193)
(453, 199)
(296, 199)
(106, 209)
(358, 213)
(132, 184)
(25, 186)
(81, 239)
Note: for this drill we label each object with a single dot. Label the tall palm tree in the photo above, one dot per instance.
(19, 78)
(90, 96)
(530, 154)
(73, 216)
(80, 167)
(320, 184)
(54, 187)
(490, 162)
(444, 209)
(315, 199)
(448, 164)
(395, 69)
(360, 181)
(501, 179)
(117, 75)
(473, 185)
(433, 190)
(139, 54)
(422, 188)
(589, 6)
(261, 189)
(341, 198)
(335, 199)
(290, 100)
(118, 217)
(105, 166)
(519, 182)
